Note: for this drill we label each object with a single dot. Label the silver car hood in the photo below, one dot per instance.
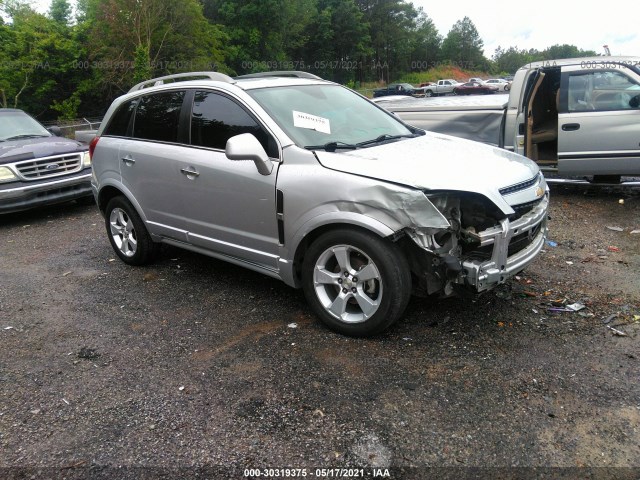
(437, 162)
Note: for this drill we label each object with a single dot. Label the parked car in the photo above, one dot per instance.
(38, 167)
(471, 88)
(304, 180)
(395, 89)
(475, 79)
(503, 85)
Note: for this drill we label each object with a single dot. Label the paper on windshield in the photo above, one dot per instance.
(312, 122)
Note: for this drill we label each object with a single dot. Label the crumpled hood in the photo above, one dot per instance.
(28, 148)
(436, 162)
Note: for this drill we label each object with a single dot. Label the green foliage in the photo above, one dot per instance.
(134, 39)
(141, 64)
(59, 66)
(512, 58)
(60, 11)
(67, 109)
(464, 46)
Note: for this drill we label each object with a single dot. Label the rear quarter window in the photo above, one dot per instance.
(119, 124)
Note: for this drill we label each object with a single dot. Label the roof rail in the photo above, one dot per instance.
(281, 73)
(220, 77)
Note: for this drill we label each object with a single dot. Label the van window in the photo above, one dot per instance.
(602, 91)
(216, 118)
(157, 116)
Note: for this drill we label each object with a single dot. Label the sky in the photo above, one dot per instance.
(542, 23)
(538, 24)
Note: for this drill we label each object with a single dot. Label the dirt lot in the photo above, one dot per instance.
(193, 368)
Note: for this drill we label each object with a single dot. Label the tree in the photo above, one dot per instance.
(463, 46)
(132, 39)
(392, 26)
(426, 44)
(565, 51)
(36, 56)
(60, 11)
(511, 59)
(338, 41)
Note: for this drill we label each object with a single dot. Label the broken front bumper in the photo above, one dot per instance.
(513, 245)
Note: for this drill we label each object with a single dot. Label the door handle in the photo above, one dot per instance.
(128, 160)
(190, 172)
(570, 127)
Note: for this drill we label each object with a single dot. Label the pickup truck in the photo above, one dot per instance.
(38, 166)
(574, 117)
(442, 87)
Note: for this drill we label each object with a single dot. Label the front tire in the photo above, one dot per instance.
(128, 235)
(357, 283)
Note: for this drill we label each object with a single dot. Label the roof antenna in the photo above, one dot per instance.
(606, 50)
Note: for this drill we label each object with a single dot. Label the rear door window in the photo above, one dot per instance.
(157, 116)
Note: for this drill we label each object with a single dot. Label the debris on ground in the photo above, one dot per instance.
(617, 332)
(615, 229)
(87, 353)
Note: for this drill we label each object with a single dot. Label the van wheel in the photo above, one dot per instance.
(356, 282)
(128, 236)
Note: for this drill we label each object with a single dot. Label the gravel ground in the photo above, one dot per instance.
(194, 368)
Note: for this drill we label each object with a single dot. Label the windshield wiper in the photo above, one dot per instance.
(27, 135)
(332, 146)
(384, 138)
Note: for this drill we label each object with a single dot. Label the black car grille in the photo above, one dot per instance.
(519, 186)
(50, 166)
(524, 208)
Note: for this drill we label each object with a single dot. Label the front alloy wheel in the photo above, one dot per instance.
(357, 283)
(347, 283)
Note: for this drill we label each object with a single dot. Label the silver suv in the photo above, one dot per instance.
(304, 180)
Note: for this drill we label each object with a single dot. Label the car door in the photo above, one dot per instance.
(229, 207)
(149, 162)
(522, 133)
(599, 121)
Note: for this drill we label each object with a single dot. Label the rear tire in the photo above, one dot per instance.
(357, 283)
(128, 235)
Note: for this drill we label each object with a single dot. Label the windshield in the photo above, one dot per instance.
(18, 125)
(314, 115)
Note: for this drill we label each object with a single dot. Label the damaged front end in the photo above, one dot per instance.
(481, 248)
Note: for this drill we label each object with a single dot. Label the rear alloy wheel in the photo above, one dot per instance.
(357, 283)
(127, 233)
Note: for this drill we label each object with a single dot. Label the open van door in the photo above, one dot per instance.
(534, 80)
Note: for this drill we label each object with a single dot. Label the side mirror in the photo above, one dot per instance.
(247, 147)
(635, 102)
(55, 130)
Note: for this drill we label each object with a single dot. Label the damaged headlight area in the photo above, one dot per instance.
(481, 248)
